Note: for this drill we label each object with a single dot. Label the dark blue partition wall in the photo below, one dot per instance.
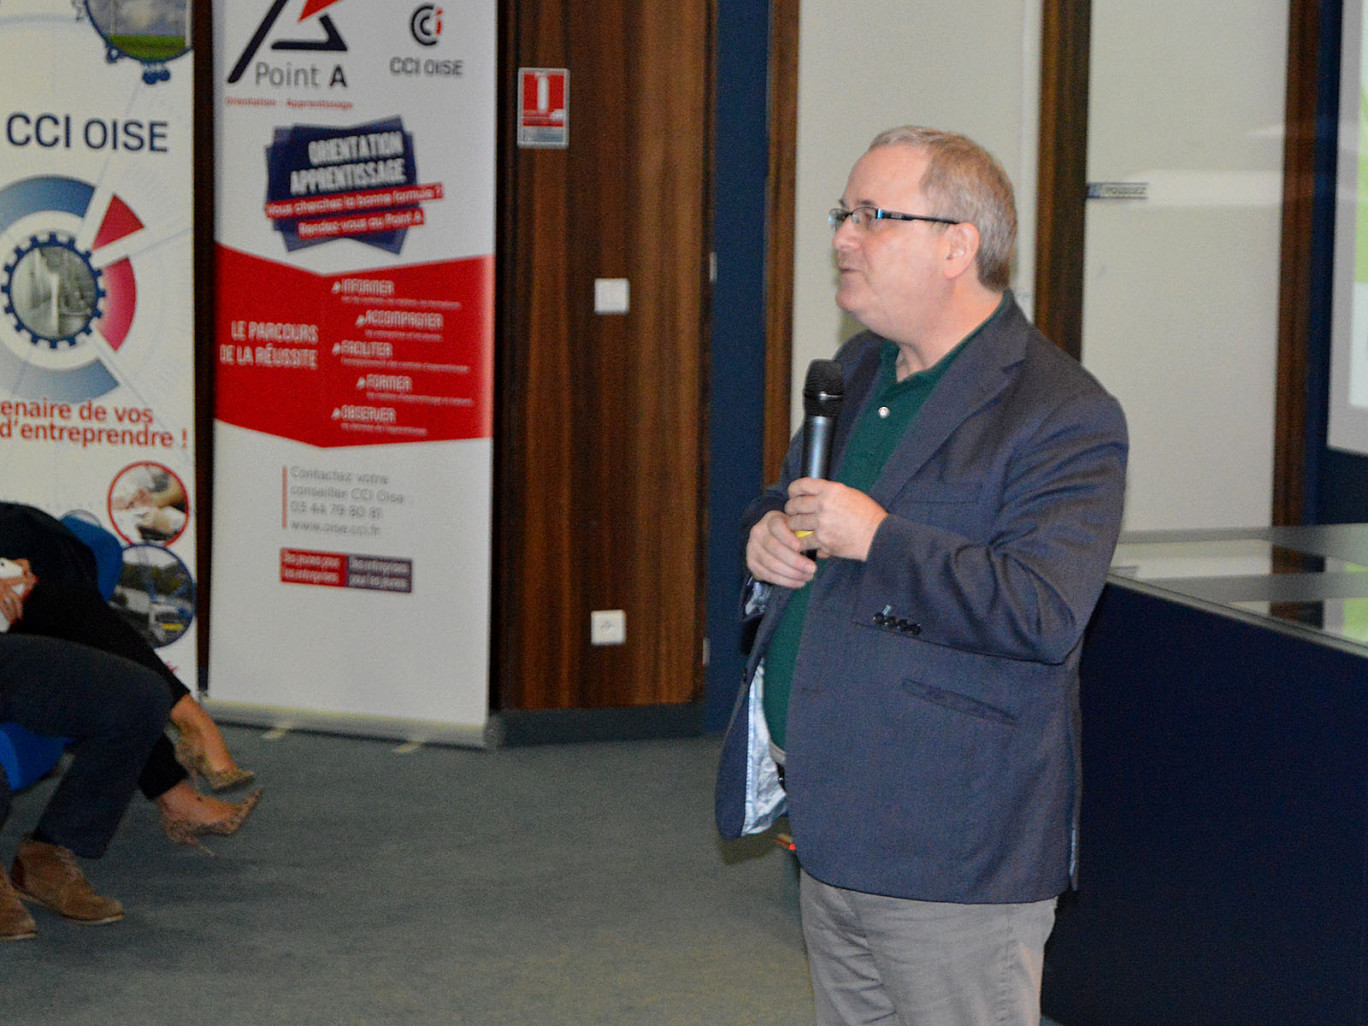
(737, 396)
(1224, 827)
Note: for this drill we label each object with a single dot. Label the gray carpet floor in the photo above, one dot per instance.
(575, 885)
(572, 884)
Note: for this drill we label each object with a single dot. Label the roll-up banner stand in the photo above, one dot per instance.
(353, 393)
(96, 332)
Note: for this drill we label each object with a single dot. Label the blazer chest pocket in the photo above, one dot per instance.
(938, 493)
(940, 504)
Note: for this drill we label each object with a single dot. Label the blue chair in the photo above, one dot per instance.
(108, 551)
(27, 757)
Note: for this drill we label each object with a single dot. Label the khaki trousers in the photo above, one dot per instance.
(875, 959)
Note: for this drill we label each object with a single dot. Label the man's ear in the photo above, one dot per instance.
(960, 246)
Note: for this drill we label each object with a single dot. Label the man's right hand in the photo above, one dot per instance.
(774, 553)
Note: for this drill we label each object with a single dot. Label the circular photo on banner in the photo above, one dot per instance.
(147, 504)
(150, 31)
(53, 290)
(155, 594)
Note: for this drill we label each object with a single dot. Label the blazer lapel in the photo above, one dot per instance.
(978, 375)
(859, 389)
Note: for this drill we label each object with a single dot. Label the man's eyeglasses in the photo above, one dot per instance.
(864, 215)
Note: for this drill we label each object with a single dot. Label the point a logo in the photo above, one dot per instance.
(332, 40)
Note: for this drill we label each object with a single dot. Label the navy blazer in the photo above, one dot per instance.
(933, 734)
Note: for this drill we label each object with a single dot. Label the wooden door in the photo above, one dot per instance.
(600, 481)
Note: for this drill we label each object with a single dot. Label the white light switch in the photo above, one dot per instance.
(610, 295)
(608, 627)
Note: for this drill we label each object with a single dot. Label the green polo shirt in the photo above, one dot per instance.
(886, 419)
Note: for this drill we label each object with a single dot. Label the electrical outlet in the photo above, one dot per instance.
(608, 627)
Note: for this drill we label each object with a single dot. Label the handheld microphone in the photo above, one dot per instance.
(823, 391)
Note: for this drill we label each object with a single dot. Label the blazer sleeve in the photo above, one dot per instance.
(1017, 571)
(776, 495)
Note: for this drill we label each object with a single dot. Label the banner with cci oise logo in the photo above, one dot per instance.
(96, 293)
(353, 392)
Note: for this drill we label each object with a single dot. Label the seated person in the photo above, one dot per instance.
(113, 711)
(63, 601)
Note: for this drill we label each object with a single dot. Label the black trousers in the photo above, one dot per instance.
(111, 709)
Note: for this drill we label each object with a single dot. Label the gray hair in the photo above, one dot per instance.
(965, 181)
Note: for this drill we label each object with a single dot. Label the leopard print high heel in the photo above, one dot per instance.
(217, 781)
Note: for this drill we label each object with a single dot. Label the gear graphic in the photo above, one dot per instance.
(52, 291)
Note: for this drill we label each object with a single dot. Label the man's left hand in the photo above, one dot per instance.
(842, 520)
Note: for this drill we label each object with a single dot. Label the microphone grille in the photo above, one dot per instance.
(823, 389)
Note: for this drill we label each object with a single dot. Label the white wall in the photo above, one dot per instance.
(1180, 299)
(1180, 305)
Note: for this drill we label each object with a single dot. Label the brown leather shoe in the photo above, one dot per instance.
(49, 876)
(15, 921)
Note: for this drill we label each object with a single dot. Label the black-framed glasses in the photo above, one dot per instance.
(866, 214)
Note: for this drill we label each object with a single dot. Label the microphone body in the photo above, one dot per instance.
(823, 392)
(817, 432)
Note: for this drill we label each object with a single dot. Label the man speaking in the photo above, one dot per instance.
(915, 676)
